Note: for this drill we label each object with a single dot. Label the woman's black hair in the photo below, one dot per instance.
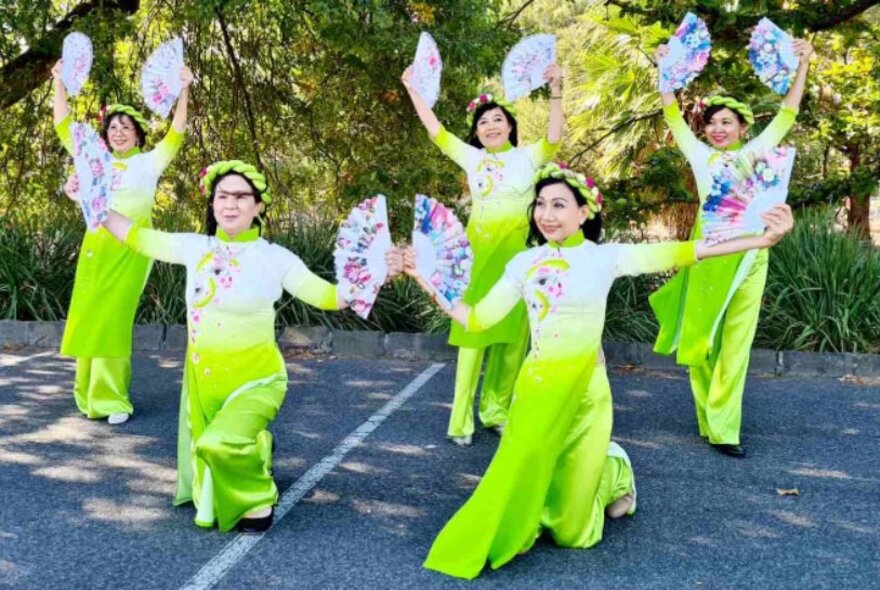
(211, 221)
(710, 112)
(592, 228)
(511, 120)
(139, 131)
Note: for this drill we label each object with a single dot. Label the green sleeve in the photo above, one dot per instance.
(776, 130)
(156, 244)
(166, 149)
(494, 307)
(62, 129)
(638, 259)
(685, 139)
(311, 289)
(454, 148)
(543, 151)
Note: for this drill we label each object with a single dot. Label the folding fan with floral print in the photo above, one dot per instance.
(688, 54)
(427, 67)
(744, 188)
(443, 252)
(361, 244)
(76, 62)
(93, 165)
(160, 77)
(525, 64)
(772, 56)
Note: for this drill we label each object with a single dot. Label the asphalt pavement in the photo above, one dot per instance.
(370, 479)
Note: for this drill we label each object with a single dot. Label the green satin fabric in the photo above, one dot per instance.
(100, 387)
(502, 367)
(224, 460)
(718, 385)
(551, 469)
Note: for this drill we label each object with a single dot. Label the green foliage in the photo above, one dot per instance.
(821, 291)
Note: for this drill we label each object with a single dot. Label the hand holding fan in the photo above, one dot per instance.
(443, 253)
(742, 190)
(772, 56)
(76, 58)
(427, 66)
(361, 244)
(92, 162)
(688, 54)
(525, 64)
(160, 77)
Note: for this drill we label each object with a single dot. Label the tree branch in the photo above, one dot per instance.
(30, 69)
(613, 130)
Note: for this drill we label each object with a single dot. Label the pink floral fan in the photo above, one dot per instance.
(443, 252)
(742, 189)
(525, 64)
(160, 77)
(76, 58)
(361, 244)
(427, 66)
(93, 165)
(689, 50)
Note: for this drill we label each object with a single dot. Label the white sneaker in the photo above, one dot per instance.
(462, 441)
(119, 418)
(615, 450)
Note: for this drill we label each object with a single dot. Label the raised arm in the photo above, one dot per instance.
(803, 49)
(60, 108)
(180, 111)
(426, 115)
(556, 124)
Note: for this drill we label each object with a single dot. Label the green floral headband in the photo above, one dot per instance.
(487, 98)
(734, 105)
(582, 184)
(210, 174)
(123, 109)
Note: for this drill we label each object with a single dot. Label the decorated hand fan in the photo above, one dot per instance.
(772, 56)
(443, 253)
(688, 54)
(361, 245)
(92, 162)
(160, 78)
(742, 190)
(76, 58)
(525, 64)
(427, 66)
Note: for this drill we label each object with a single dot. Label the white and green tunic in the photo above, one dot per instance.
(500, 184)
(235, 378)
(550, 469)
(109, 276)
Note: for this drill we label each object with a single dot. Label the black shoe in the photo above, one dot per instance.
(254, 526)
(729, 450)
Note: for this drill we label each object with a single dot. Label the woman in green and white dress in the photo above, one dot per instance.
(110, 277)
(555, 467)
(235, 378)
(499, 174)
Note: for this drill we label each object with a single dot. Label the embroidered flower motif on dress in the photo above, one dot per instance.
(489, 174)
(216, 270)
(544, 288)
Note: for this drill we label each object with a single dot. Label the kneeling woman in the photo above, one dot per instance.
(554, 467)
(235, 378)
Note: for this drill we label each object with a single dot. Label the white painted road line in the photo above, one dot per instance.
(214, 570)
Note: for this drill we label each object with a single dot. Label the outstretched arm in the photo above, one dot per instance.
(426, 115)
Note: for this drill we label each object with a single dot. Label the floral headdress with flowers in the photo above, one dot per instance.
(577, 181)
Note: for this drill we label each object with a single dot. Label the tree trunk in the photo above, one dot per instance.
(858, 216)
(31, 69)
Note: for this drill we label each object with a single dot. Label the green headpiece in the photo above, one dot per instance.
(734, 105)
(486, 98)
(582, 184)
(124, 109)
(249, 171)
